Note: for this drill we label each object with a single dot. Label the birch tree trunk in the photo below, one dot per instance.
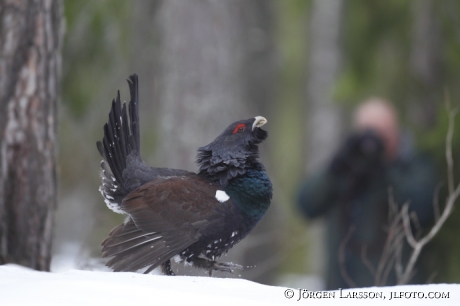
(30, 64)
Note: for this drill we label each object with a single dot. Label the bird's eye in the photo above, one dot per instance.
(239, 128)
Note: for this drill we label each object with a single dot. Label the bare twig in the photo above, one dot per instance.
(398, 263)
(449, 159)
(418, 245)
(389, 247)
(393, 207)
(452, 197)
(343, 268)
(396, 255)
(366, 261)
(436, 202)
(416, 223)
(407, 229)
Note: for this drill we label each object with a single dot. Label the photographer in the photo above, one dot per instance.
(352, 193)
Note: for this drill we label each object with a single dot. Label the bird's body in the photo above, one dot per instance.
(172, 213)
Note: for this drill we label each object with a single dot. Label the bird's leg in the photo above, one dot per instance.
(211, 265)
(166, 268)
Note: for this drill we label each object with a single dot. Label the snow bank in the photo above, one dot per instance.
(21, 286)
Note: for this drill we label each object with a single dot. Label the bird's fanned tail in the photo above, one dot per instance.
(121, 140)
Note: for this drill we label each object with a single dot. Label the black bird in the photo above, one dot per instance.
(191, 217)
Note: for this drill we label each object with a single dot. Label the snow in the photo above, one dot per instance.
(22, 286)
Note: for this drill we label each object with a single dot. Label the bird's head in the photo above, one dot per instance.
(233, 151)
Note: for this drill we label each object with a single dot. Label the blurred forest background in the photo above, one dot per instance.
(303, 65)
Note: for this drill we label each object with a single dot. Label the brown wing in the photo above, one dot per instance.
(166, 215)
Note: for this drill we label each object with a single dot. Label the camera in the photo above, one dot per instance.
(362, 153)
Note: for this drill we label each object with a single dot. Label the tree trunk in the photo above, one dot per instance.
(202, 83)
(30, 64)
(216, 66)
(324, 119)
(425, 64)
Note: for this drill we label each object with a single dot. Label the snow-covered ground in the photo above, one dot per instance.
(21, 286)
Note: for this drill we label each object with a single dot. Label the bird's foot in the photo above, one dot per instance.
(166, 268)
(211, 265)
(227, 267)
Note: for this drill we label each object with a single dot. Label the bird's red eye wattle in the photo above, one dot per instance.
(239, 128)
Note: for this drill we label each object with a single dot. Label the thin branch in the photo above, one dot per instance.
(343, 268)
(391, 262)
(436, 202)
(418, 245)
(452, 197)
(416, 223)
(394, 218)
(398, 264)
(393, 208)
(447, 211)
(449, 159)
(407, 228)
(366, 261)
(395, 244)
(388, 248)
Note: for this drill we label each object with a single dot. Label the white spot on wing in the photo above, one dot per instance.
(221, 196)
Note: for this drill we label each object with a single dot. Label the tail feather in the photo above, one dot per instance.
(121, 139)
(134, 111)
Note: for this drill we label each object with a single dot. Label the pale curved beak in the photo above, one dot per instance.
(260, 121)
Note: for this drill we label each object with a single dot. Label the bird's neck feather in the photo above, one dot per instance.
(252, 192)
